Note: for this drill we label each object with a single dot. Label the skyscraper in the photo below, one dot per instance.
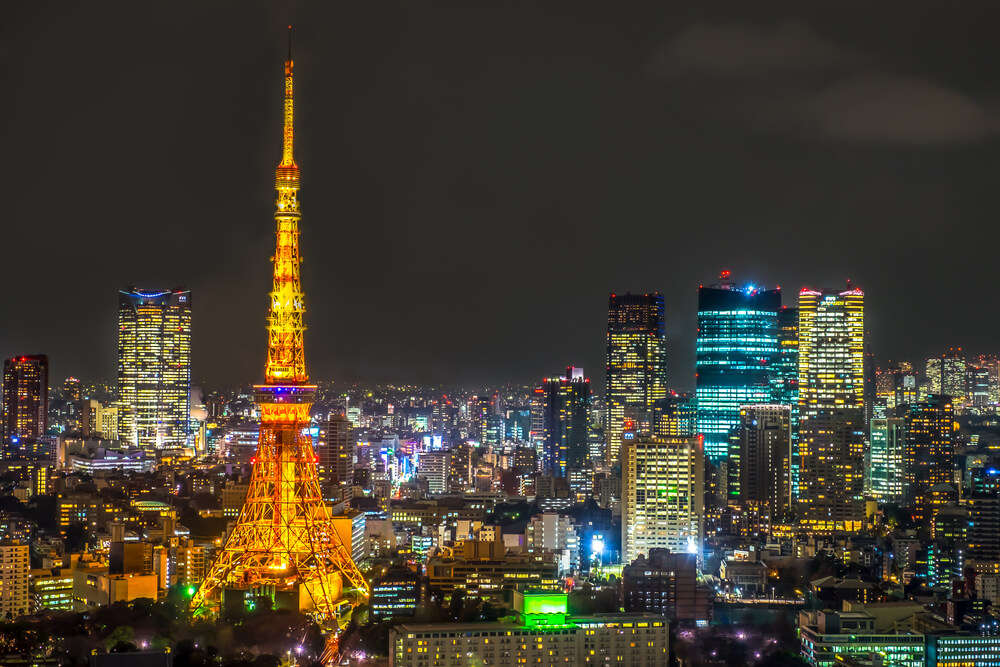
(565, 403)
(786, 378)
(25, 403)
(675, 415)
(663, 488)
(831, 408)
(636, 361)
(946, 374)
(765, 465)
(884, 469)
(930, 449)
(154, 367)
(335, 452)
(736, 357)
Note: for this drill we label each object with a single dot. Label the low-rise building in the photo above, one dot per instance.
(51, 590)
(666, 583)
(746, 578)
(395, 594)
(831, 636)
(486, 569)
(545, 635)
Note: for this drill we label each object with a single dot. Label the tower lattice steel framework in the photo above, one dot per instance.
(284, 538)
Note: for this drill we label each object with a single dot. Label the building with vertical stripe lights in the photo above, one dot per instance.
(154, 367)
(831, 408)
(636, 362)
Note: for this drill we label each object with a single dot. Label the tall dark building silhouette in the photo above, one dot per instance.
(636, 361)
(765, 441)
(565, 405)
(928, 456)
(335, 452)
(25, 403)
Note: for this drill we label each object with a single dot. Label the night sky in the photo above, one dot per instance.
(475, 181)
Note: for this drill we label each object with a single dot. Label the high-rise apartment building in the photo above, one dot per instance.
(930, 450)
(765, 465)
(663, 488)
(154, 367)
(335, 452)
(25, 402)
(884, 467)
(831, 408)
(565, 406)
(435, 467)
(14, 572)
(636, 361)
(736, 355)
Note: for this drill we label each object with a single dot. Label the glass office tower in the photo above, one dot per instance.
(737, 354)
(154, 367)
(831, 407)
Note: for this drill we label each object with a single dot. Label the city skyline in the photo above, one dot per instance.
(392, 157)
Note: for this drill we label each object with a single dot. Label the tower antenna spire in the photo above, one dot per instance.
(288, 135)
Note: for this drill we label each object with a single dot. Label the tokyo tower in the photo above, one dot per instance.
(284, 542)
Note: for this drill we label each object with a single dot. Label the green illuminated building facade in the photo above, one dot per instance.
(544, 634)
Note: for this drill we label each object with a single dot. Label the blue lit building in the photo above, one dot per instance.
(737, 357)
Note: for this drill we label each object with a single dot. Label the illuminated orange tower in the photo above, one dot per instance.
(284, 541)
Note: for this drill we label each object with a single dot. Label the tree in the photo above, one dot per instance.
(121, 635)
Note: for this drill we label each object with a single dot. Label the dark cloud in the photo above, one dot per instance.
(734, 49)
(899, 110)
(786, 78)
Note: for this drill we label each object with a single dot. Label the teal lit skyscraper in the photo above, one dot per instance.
(737, 353)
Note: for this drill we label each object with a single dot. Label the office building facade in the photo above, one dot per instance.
(335, 452)
(831, 408)
(663, 488)
(737, 353)
(25, 403)
(565, 408)
(154, 367)
(636, 368)
(885, 462)
(930, 449)
(764, 465)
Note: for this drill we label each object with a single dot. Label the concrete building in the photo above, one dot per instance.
(666, 584)
(487, 570)
(14, 574)
(554, 533)
(545, 635)
(663, 488)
